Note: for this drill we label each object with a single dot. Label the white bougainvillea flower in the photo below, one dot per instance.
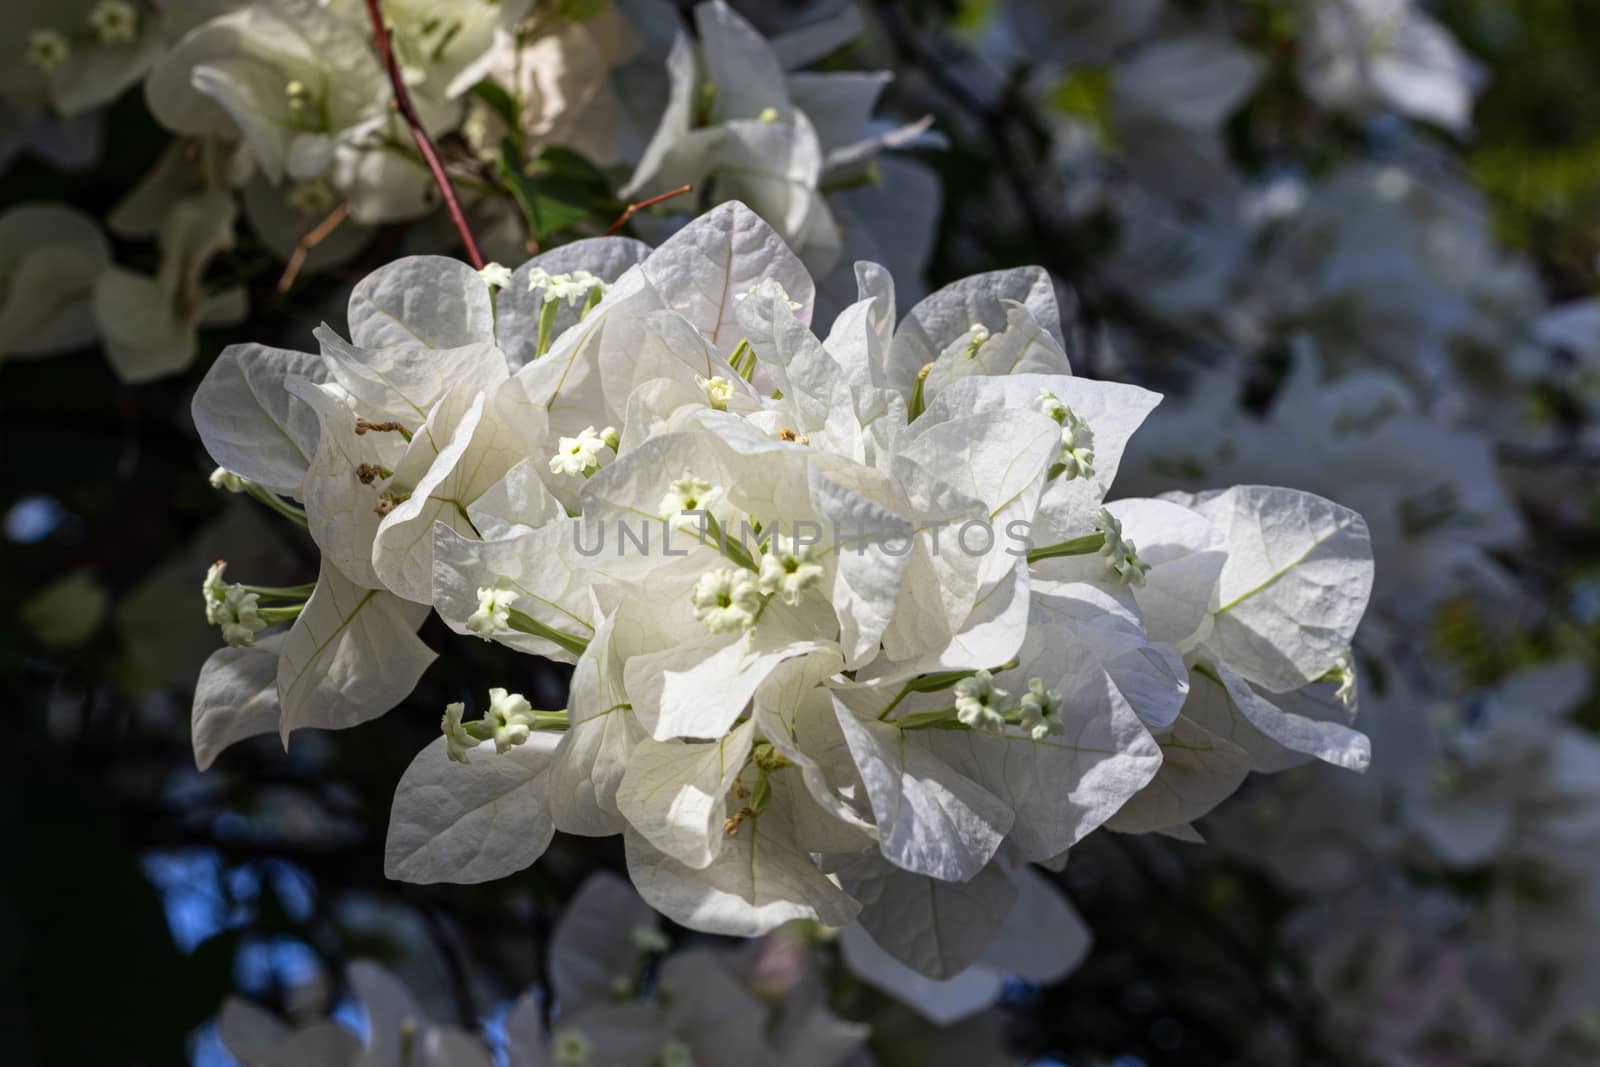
(252, 1035)
(838, 604)
(740, 125)
(151, 324)
(78, 55)
(1360, 56)
(292, 80)
(625, 996)
(1288, 597)
(946, 949)
(51, 257)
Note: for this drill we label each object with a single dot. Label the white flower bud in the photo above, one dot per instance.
(495, 276)
(1077, 439)
(687, 494)
(1344, 670)
(225, 480)
(726, 600)
(578, 455)
(494, 612)
(718, 391)
(572, 287)
(977, 702)
(114, 21)
(511, 717)
(767, 287)
(231, 608)
(570, 1048)
(977, 339)
(788, 569)
(1121, 555)
(1041, 710)
(48, 49)
(457, 741)
(313, 197)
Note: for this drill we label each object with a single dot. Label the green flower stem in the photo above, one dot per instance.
(735, 552)
(547, 322)
(947, 719)
(276, 503)
(1086, 545)
(919, 402)
(933, 683)
(282, 592)
(944, 718)
(523, 623)
(760, 794)
(743, 360)
(284, 614)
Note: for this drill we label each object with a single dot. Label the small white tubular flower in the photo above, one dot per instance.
(978, 702)
(48, 49)
(570, 1048)
(769, 115)
(495, 276)
(1041, 710)
(510, 716)
(243, 623)
(314, 197)
(687, 494)
(571, 287)
(215, 590)
(767, 287)
(977, 339)
(726, 600)
(580, 454)
(494, 612)
(788, 569)
(458, 742)
(718, 391)
(231, 608)
(649, 939)
(675, 1053)
(1077, 439)
(1122, 557)
(226, 480)
(297, 95)
(114, 21)
(1344, 670)
(1052, 407)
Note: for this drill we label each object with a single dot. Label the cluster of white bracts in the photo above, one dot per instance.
(884, 727)
(621, 997)
(282, 110)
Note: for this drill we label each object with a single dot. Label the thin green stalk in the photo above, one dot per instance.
(547, 322)
(276, 503)
(526, 624)
(1086, 545)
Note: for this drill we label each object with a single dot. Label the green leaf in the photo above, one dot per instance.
(499, 100)
(560, 190)
(578, 10)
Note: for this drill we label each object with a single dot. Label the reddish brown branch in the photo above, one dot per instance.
(634, 209)
(303, 247)
(402, 104)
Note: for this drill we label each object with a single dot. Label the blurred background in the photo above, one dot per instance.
(1355, 242)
